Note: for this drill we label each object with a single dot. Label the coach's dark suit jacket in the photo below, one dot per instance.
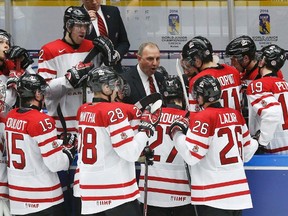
(137, 89)
(116, 30)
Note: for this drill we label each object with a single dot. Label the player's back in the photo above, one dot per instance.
(107, 155)
(168, 171)
(34, 157)
(230, 81)
(220, 142)
(265, 95)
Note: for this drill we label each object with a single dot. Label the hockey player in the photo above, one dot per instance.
(57, 57)
(109, 147)
(267, 102)
(242, 52)
(197, 54)
(168, 191)
(4, 202)
(216, 144)
(34, 153)
(14, 61)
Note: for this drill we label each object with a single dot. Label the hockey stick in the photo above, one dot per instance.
(152, 98)
(178, 69)
(145, 205)
(154, 107)
(180, 74)
(93, 52)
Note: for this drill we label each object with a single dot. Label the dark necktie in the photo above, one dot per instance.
(151, 85)
(101, 26)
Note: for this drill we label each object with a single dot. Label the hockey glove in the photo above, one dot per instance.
(261, 148)
(150, 118)
(149, 155)
(181, 124)
(106, 47)
(4, 208)
(16, 52)
(70, 147)
(77, 74)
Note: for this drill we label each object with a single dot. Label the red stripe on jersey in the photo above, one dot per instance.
(47, 141)
(195, 142)
(53, 151)
(29, 189)
(116, 145)
(260, 99)
(3, 184)
(120, 130)
(164, 191)
(194, 154)
(4, 195)
(37, 200)
(192, 102)
(61, 130)
(155, 178)
(125, 184)
(46, 70)
(266, 107)
(119, 197)
(76, 182)
(285, 148)
(246, 133)
(77, 170)
(218, 185)
(247, 143)
(223, 196)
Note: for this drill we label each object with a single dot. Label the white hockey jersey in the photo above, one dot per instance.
(3, 162)
(216, 145)
(267, 102)
(230, 81)
(167, 179)
(108, 150)
(34, 158)
(55, 58)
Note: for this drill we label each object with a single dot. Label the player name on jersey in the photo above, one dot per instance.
(168, 117)
(16, 124)
(227, 118)
(226, 80)
(88, 117)
(282, 85)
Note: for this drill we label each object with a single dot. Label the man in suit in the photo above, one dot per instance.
(138, 76)
(114, 27)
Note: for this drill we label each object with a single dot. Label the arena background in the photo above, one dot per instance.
(171, 24)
